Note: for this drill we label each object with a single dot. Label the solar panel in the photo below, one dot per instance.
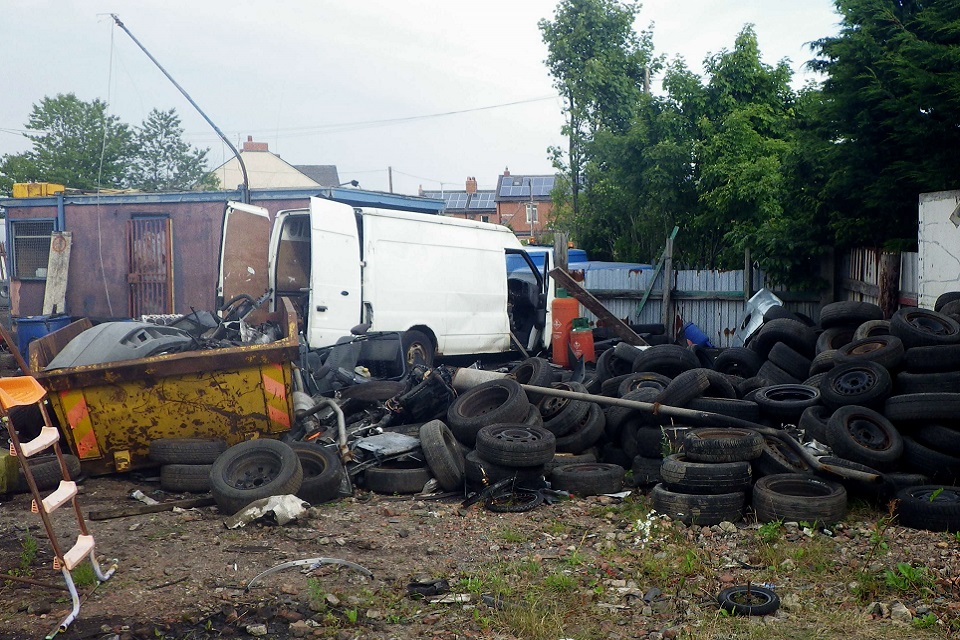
(482, 200)
(456, 200)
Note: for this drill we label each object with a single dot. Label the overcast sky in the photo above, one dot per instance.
(359, 84)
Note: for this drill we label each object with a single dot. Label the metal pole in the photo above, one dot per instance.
(245, 196)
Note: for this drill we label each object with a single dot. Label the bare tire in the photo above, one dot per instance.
(703, 510)
(193, 478)
(682, 474)
(722, 445)
(47, 472)
(443, 454)
(397, 477)
(186, 450)
(748, 600)
(588, 478)
(797, 497)
(483, 473)
(252, 470)
(322, 473)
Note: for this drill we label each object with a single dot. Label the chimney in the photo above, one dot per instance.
(250, 145)
(506, 171)
(471, 185)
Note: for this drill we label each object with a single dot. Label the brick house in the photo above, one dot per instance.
(469, 204)
(524, 204)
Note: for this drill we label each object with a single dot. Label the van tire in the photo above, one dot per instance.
(252, 470)
(443, 455)
(417, 348)
(496, 401)
(192, 478)
(322, 473)
(186, 450)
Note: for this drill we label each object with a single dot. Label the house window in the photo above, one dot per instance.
(484, 218)
(531, 212)
(31, 248)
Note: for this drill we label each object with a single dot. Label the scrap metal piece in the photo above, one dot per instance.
(311, 563)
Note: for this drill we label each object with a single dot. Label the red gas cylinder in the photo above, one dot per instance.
(581, 340)
(564, 309)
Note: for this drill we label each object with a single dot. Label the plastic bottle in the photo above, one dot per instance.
(581, 340)
(564, 309)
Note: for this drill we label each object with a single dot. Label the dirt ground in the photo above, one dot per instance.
(181, 574)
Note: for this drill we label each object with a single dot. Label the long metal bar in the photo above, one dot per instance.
(245, 196)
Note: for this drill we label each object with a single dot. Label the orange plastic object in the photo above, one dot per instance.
(564, 310)
(19, 391)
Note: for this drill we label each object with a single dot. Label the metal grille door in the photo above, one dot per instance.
(150, 260)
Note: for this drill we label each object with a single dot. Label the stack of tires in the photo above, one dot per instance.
(185, 463)
(710, 481)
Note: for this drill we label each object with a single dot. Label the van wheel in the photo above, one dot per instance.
(417, 348)
(254, 469)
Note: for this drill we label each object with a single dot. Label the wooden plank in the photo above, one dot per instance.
(141, 509)
(667, 312)
(656, 272)
(862, 288)
(619, 327)
(889, 283)
(58, 265)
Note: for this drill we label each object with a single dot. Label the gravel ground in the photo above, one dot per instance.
(181, 574)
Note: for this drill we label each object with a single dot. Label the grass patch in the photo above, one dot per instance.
(514, 536)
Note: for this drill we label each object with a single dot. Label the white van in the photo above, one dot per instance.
(443, 281)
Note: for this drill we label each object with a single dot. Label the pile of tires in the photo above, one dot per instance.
(709, 482)
(185, 463)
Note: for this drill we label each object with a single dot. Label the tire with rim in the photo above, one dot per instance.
(322, 473)
(924, 328)
(865, 436)
(192, 478)
(722, 445)
(186, 450)
(682, 474)
(930, 507)
(588, 478)
(397, 477)
(640, 380)
(748, 600)
(865, 384)
(562, 415)
(777, 457)
(418, 348)
(496, 401)
(516, 445)
(797, 497)
(252, 470)
(886, 351)
(443, 455)
(535, 372)
(699, 509)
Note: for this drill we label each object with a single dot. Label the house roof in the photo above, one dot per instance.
(265, 170)
(465, 202)
(511, 188)
(325, 175)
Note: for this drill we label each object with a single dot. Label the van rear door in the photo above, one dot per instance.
(335, 294)
(244, 245)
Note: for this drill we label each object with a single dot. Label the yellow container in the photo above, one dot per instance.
(109, 413)
(36, 189)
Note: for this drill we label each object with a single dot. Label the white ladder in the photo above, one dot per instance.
(25, 390)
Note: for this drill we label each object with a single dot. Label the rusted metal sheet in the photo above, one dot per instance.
(109, 413)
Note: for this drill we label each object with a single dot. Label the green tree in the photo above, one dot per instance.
(77, 144)
(164, 162)
(891, 103)
(598, 63)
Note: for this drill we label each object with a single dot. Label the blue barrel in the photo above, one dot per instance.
(694, 335)
(29, 328)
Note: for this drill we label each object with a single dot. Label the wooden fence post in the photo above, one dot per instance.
(747, 275)
(560, 250)
(828, 272)
(667, 312)
(889, 281)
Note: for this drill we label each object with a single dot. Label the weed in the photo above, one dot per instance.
(84, 575)
(956, 536)
(906, 577)
(925, 621)
(769, 532)
(514, 536)
(691, 563)
(352, 615)
(556, 528)
(934, 494)
(560, 582)
(28, 551)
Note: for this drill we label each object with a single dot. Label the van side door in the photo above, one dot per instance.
(335, 272)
